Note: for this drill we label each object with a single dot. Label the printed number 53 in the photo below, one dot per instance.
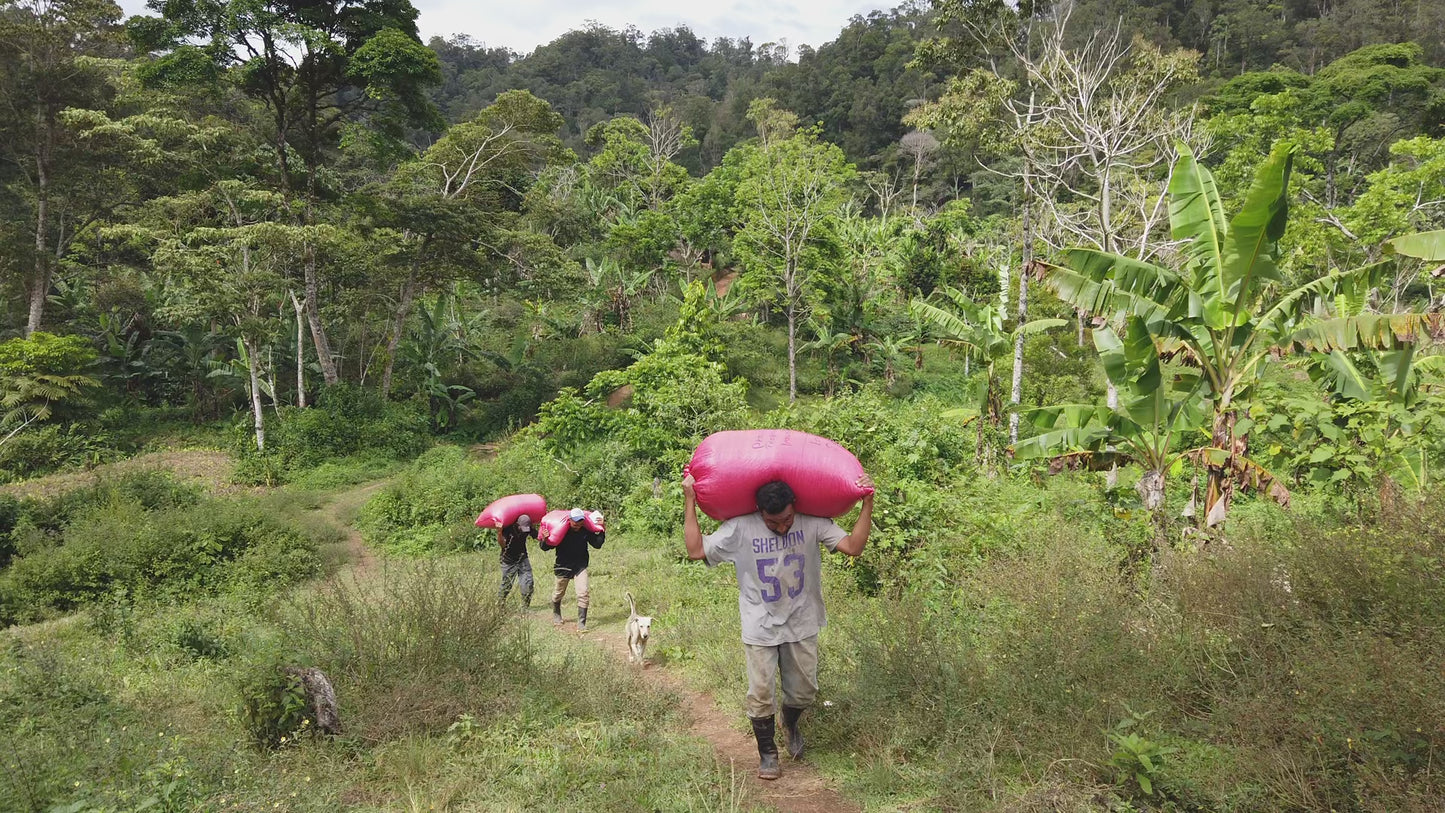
(772, 585)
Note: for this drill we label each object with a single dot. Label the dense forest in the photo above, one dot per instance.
(1128, 308)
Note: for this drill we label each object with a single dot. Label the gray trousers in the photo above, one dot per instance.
(521, 573)
(794, 665)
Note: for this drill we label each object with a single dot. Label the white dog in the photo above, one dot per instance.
(638, 628)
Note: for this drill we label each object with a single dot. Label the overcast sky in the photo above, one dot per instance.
(522, 25)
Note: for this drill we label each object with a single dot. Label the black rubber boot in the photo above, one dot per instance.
(581, 619)
(556, 612)
(764, 728)
(790, 728)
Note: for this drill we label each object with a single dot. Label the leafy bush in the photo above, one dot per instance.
(431, 505)
(43, 377)
(51, 448)
(1295, 665)
(347, 420)
(199, 640)
(273, 703)
(653, 506)
(47, 695)
(667, 401)
(10, 513)
(148, 490)
(210, 546)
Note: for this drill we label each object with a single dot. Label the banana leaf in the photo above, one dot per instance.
(1429, 246)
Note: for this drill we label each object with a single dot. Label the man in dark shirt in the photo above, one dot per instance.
(572, 559)
(515, 564)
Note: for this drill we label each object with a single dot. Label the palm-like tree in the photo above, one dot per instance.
(979, 330)
(1224, 310)
(1159, 413)
(832, 343)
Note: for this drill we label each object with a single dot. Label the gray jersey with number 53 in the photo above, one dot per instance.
(780, 592)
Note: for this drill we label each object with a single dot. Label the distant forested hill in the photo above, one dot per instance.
(859, 84)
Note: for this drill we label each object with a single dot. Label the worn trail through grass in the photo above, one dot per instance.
(801, 790)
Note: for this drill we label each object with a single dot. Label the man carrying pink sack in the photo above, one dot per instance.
(516, 566)
(572, 560)
(777, 554)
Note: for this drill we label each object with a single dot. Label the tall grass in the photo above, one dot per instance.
(448, 701)
(1294, 671)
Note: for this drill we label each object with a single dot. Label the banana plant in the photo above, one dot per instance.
(893, 351)
(246, 369)
(832, 343)
(1157, 424)
(1380, 412)
(1428, 246)
(1225, 310)
(977, 329)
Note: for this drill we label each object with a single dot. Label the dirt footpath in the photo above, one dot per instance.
(801, 790)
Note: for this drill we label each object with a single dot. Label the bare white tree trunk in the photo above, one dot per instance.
(253, 368)
(792, 336)
(664, 141)
(1027, 254)
(398, 326)
(313, 315)
(40, 280)
(300, 349)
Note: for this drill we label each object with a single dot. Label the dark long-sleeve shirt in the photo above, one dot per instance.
(572, 553)
(514, 543)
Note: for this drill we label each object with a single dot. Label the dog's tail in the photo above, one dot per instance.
(630, 603)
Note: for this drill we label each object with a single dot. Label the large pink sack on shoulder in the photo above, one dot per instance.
(728, 467)
(505, 510)
(553, 527)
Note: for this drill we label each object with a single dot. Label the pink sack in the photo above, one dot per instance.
(505, 510)
(728, 467)
(593, 521)
(553, 527)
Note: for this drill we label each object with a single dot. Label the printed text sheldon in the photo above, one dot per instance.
(791, 539)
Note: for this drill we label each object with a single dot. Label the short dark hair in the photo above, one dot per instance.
(775, 497)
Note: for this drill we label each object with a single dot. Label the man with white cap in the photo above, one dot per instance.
(572, 560)
(516, 566)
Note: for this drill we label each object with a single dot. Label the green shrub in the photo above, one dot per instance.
(347, 420)
(432, 503)
(43, 377)
(199, 640)
(652, 507)
(149, 490)
(606, 472)
(53, 447)
(1297, 664)
(208, 547)
(672, 400)
(49, 698)
(10, 514)
(273, 703)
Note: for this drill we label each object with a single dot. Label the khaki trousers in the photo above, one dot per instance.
(794, 665)
(561, 587)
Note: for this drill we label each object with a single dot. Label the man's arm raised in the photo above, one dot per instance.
(853, 543)
(691, 531)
